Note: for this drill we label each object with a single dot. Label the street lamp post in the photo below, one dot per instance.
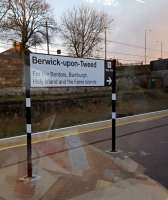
(47, 38)
(145, 45)
(161, 46)
(146, 30)
(105, 43)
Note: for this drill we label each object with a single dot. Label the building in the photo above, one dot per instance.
(159, 69)
(11, 70)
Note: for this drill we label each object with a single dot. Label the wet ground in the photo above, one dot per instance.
(77, 167)
(81, 173)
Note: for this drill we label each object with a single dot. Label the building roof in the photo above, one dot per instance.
(15, 51)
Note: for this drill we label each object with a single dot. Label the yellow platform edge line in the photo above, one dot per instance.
(92, 130)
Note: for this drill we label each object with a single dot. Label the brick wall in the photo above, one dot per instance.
(11, 72)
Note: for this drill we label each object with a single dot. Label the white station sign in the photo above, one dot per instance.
(60, 71)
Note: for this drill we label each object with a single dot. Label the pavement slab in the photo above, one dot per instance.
(79, 172)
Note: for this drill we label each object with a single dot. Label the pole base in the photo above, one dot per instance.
(113, 152)
(27, 179)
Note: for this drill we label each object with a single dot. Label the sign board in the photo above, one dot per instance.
(108, 73)
(61, 71)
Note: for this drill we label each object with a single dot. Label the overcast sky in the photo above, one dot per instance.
(131, 18)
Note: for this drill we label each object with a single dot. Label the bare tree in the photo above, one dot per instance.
(4, 7)
(26, 20)
(81, 30)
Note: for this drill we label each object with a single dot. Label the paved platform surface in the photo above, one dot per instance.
(68, 169)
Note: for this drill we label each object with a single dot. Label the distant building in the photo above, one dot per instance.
(159, 69)
(11, 69)
(158, 65)
(15, 51)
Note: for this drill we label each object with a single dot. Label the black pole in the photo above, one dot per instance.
(114, 115)
(105, 43)
(47, 38)
(28, 116)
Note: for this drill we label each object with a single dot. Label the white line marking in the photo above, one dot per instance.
(114, 97)
(114, 116)
(28, 102)
(29, 128)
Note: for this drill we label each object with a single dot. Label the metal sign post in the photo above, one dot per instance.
(114, 98)
(28, 117)
(29, 177)
(110, 80)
